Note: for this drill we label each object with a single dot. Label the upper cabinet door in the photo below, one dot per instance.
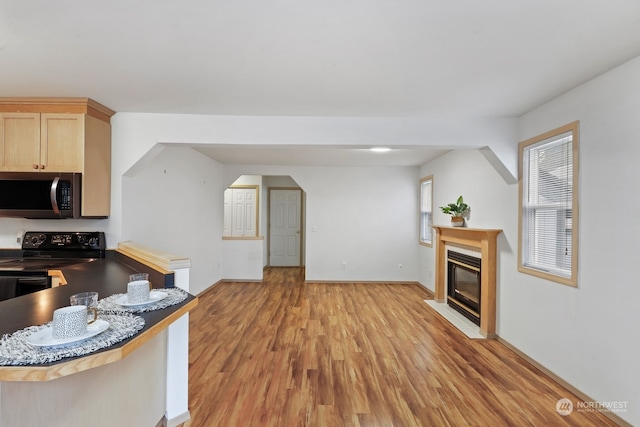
(62, 143)
(35, 142)
(19, 142)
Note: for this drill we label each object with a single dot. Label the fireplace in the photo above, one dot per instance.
(484, 242)
(464, 284)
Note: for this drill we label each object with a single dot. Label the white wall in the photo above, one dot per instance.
(365, 217)
(373, 234)
(585, 335)
(138, 138)
(242, 260)
(175, 204)
(469, 174)
(280, 182)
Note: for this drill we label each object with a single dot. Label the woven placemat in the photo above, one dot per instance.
(174, 296)
(14, 350)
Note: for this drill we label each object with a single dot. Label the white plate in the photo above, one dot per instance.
(154, 296)
(44, 337)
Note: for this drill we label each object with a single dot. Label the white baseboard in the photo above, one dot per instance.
(176, 421)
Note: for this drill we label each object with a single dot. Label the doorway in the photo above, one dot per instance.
(285, 227)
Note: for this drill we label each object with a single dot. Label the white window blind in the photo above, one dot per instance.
(547, 205)
(426, 210)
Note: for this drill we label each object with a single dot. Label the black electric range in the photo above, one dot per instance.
(26, 271)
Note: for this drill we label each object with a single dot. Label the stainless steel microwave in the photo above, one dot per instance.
(40, 194)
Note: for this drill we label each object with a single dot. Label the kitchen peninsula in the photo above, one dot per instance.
(140, 381)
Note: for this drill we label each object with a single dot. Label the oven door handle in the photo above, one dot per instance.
(54, 195)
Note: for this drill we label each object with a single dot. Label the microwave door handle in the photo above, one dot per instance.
(54, 195)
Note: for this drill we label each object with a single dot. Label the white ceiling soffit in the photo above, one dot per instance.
(313, 58)
(318, 155)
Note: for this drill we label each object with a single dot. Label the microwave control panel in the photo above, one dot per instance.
(64, 203)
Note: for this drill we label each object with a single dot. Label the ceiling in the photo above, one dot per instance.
(330, 58)
(286, 155)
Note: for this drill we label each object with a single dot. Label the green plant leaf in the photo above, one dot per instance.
(455, 209)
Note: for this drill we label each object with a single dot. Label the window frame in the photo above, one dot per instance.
(528, 268)
(429, 224)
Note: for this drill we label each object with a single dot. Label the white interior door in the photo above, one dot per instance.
(285, 215)
(240, 212)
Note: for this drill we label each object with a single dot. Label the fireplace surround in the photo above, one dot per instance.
(484, 240)
(464, 284)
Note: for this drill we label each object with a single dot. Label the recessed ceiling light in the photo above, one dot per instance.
(380, 149)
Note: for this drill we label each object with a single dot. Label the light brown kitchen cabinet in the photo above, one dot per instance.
(19, 142)
(60, 135)
(32, 142)
(62, 139)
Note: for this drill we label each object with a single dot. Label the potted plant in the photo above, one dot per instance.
(456, 210)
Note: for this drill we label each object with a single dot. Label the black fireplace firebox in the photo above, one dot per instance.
(463, 284)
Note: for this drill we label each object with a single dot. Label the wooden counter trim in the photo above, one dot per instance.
(57, 278)
(90, 361)
(153, 257)
(486, 241)
(158, 276)
(143, 261)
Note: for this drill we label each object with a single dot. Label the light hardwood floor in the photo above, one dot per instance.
(288, 353)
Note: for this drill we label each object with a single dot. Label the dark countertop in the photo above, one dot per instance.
(106, 276)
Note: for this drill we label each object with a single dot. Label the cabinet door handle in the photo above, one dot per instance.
(41, 166)
(35, 166)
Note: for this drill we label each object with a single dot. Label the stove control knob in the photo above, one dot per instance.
(93, 241)
(37, 240)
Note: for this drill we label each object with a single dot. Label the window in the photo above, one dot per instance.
(426, 210)
(548, 219)
(240, 212)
